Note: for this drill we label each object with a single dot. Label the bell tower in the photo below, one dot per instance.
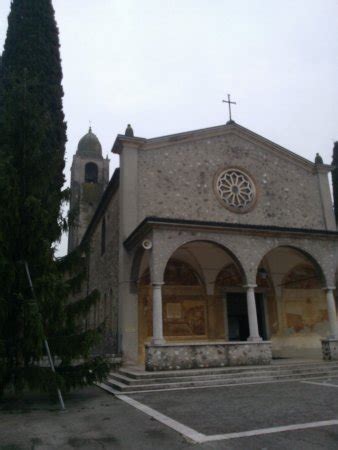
(89, 178)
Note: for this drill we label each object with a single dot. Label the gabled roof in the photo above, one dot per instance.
(230, 128)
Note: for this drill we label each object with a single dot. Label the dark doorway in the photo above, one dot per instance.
(238, 322)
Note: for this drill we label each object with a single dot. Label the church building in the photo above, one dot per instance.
(210, 248)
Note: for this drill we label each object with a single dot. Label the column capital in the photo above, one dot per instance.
(248, 286)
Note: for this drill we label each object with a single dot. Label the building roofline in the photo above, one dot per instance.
(155, 222)
(211, 131)
(121, 139)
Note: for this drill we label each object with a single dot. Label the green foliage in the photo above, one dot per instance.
(84, 374)
(32, 146)
(335, 179)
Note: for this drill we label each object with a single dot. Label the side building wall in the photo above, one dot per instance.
(103, 275)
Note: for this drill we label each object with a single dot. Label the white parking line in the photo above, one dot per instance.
(187, 432)
(199, 438)
(321, 384)
(298, 426)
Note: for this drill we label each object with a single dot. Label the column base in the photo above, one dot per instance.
(254, 339)
(157, 341)
(331, 337)
(330, 349)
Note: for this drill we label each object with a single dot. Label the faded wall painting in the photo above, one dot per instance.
(304, 310)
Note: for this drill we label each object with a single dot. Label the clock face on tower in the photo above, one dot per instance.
(235, 189)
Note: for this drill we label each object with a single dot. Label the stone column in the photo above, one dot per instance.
(226, 321)
(157, 314)
(252, 313)
(331, 309)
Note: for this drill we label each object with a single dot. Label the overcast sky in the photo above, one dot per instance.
(165, 66)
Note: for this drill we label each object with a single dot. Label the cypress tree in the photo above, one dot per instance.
(32, 147)
(335, 179)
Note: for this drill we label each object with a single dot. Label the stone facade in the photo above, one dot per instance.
(103, 269)
(204, 355)
(103, 274)
(176, 180)
(166, 195)
(87, 189)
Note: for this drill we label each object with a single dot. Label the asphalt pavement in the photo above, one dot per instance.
(96, 420)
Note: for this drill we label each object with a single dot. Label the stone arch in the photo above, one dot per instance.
(176, 272)
(296, 306)
(229, 275)
(301, 276)
(161, 259)
(300, 250)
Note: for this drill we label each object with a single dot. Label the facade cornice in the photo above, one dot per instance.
(323, 168)
(150, 223)
(123, 141)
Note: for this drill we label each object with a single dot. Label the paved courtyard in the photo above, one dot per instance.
(278, 415)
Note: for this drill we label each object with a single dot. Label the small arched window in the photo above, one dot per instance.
(103, 236)
(91, 173)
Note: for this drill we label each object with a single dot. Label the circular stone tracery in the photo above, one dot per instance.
(236, 190)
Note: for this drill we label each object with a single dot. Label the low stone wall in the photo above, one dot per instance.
(178, 356)
(330, 349)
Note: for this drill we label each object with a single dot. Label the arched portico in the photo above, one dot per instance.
(192, 305)
(299, 301)
(209, 255)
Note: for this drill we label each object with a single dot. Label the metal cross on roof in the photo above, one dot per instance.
(229, 103)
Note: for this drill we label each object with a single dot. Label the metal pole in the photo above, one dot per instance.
(44, 340)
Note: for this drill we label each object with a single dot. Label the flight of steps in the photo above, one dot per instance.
(132, 380)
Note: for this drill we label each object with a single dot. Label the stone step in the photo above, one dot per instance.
(124, 378)
(138, 374)
(122, 387)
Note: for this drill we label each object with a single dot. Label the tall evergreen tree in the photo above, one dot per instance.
(335, 179)
(32, 146)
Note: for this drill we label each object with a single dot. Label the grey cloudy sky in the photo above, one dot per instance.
(165, 66)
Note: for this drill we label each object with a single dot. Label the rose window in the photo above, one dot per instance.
(236, 190)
